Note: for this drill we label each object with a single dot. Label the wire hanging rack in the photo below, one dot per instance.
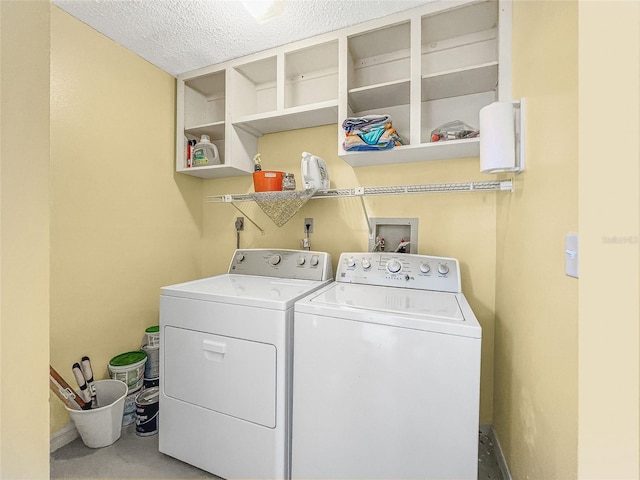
(280, 207)
(481, 186)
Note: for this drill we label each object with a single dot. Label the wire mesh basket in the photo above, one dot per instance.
(282, 206)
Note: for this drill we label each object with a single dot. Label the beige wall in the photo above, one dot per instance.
(536, 352)
(460, 225)
(609, 439)
(24, 239)
(122, 222)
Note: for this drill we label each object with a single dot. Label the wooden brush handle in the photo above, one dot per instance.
(58, 385)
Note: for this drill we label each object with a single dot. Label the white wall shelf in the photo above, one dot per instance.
(215, 130)
(381, 95)
(323, 113)
(464, 148)
(460, 82)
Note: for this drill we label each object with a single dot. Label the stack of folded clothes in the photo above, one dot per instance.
(371, 132)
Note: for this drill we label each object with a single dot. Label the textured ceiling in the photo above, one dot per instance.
(181, 35)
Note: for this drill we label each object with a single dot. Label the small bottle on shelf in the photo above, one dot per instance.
(288, 181)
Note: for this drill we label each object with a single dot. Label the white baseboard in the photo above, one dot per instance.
(65, 435)
(502, 461)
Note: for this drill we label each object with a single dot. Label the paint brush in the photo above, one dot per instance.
(82, 383)
(87, 372)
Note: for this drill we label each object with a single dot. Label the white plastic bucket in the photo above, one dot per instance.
(129, 367)
(100, 427)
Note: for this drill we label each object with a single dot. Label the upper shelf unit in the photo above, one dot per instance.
(424, 67)
(203, 109)
(429, 70)
(265, 93)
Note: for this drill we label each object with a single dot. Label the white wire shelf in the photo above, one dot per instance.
(483, 186)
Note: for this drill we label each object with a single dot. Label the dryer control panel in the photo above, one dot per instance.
(297, 264)
(422, 272)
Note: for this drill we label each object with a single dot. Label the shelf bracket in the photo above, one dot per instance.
(366, 217)
(519, 107)
(248, 217)
(359, 192)
(507, 185)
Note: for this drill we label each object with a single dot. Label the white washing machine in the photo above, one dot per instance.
(226, 361)
(387, 373)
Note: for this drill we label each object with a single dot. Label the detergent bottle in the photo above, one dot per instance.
(205, 153)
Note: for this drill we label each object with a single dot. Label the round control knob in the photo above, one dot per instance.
(425, 268)
(275, 259)
(240, 257)
(443, 269)
(366, 264)
(394, 266)
(314, 260)
(300, 260)
(351, 262)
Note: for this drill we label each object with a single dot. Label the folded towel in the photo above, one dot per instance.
(379, 139)
(373, 136)
(368, 148)
(365, 123)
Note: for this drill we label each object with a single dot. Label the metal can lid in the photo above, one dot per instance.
(148, 396)
(128, 358)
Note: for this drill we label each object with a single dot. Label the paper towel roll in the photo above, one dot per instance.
(498, 138)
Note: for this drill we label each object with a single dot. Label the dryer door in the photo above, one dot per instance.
(229, 375)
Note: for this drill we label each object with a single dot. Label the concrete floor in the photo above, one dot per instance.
(134, 457)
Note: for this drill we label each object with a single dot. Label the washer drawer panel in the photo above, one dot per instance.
(228, 375)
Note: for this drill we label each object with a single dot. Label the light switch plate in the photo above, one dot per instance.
(571, 254)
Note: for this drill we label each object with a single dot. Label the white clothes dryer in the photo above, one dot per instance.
(226, 363)
(387, 372)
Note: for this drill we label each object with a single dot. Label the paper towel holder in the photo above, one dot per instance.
(502, 137)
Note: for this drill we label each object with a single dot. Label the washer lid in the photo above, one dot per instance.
(266, 292)
(402, 307)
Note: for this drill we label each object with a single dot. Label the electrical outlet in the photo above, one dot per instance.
(240, 223)
(308, 221)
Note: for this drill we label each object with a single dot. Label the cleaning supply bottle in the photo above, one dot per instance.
(257, 163)
(205, 153)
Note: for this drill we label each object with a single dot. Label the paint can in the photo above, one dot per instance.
(147, 410)
(129, 368)
(151, 382)
(153, 336)
(129, 413)
(152, 367)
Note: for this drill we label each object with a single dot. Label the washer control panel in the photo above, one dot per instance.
(297, 264)
(422, 272)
